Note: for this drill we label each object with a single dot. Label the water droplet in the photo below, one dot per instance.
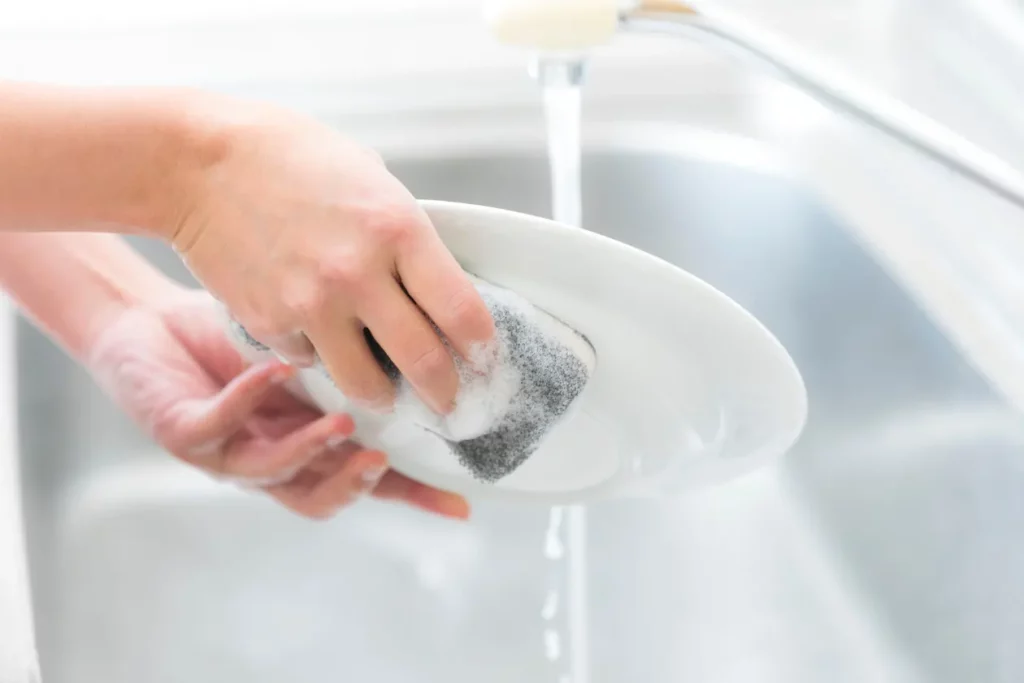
(550, 608)
(552, 644)
(554, 549)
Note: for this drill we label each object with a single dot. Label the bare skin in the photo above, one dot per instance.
(159, 352)
(303, 234)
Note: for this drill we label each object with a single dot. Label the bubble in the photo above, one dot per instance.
(532, 373)
(512, 391)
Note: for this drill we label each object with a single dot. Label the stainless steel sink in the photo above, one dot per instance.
(886, 547)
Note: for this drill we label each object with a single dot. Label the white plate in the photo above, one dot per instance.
(689, 388)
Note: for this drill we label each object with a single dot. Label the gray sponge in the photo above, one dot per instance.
(511, 393)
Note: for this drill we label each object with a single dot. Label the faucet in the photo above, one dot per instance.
(576, 26)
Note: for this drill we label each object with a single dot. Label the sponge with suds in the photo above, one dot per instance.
(512, 392)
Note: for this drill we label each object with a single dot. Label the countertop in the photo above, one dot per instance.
(960, 252)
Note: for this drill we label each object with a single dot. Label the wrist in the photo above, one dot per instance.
(211, 130)
(115, 281)
(74, 285)
(194, 141)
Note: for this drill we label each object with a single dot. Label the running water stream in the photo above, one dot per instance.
(564, 610)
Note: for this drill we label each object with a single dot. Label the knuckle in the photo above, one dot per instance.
(304, 299)
(433, 362)
(346, 271)
(163, 426)
(394, 225)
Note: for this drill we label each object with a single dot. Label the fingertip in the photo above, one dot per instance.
(373, 457)
(436, 379)
(436, 501)
(452, 506)
(281, 372)
(442, 402)
(373, 465)
(344, 424)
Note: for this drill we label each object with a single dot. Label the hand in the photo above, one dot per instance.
(309, 240)
(169, 366)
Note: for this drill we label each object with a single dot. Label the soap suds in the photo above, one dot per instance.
(550, 376)
(512, 392)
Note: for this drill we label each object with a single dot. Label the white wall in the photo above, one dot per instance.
(106, 14)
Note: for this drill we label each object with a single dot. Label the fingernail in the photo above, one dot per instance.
(371, 475)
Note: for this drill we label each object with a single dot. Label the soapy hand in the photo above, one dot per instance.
(169, 366)
(309, 241)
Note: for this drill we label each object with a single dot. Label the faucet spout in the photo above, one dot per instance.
(703, 21)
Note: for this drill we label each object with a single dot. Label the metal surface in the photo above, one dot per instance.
(705, 21)
(885, 548)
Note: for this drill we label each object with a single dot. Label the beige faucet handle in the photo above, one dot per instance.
(553, 25)
(665, 7)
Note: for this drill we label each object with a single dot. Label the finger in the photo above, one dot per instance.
(254, 459)
(292, 397)
(398, 487)
(346, 355)
(274, 427)
(444, 291)
(295, 491)
(215, 419)
(333, 482)
(285, 402)
(412, 344)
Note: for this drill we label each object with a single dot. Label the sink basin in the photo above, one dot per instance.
(884, 547)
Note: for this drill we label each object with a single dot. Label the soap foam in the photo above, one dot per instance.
(512, 391)
(487, 386)
(552, 372)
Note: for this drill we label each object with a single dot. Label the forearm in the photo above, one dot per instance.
(75, 159)
(72, 285)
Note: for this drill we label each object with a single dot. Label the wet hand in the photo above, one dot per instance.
(170, 367)
(309, 241)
